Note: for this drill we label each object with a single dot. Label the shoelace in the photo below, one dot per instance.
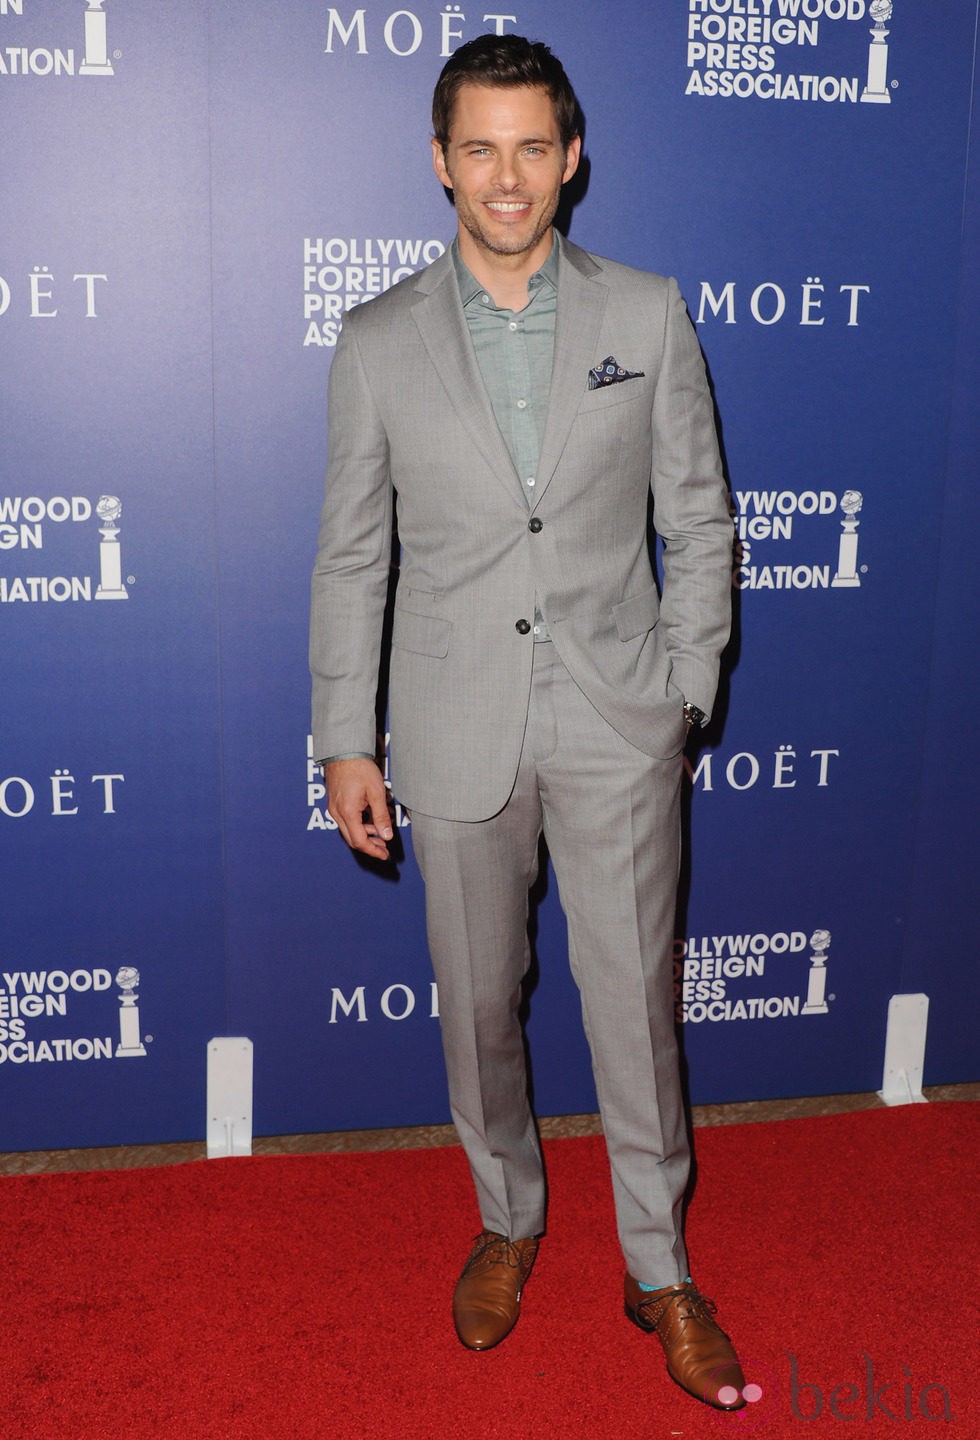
(496, 1250)
(695, 1307)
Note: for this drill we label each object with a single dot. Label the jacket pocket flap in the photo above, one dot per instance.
(421, 634)
(637, 614)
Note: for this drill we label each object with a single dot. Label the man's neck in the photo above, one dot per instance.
(504, 276)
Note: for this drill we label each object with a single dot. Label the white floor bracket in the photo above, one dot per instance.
(229, 1096)
(905, 1050)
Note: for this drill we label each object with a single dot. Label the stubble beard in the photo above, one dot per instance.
(517, 245)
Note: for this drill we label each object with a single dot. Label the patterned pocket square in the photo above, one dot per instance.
(610, 372)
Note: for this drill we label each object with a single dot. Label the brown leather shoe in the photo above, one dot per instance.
(700, 1356)
(487, 1299)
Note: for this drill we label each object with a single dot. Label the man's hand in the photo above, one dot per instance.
(357, 798)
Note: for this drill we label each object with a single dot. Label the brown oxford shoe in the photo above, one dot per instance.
(487, 1299)
(700, 1356)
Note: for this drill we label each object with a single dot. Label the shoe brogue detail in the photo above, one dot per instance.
(700, 1356)
(487, 1299)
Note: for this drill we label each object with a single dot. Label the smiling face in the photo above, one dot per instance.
(505, 165)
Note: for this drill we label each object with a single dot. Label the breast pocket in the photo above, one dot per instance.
(607, 396)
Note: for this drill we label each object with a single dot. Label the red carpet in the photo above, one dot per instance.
(308, 1297)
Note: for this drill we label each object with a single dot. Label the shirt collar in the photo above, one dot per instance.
(470, 288)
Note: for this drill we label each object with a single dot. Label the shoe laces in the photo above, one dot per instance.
(492, 1249)
(689, 1304)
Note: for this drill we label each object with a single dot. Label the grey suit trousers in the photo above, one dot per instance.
(610, 816)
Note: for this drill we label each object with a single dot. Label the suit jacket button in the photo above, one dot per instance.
(523, 627)
(534, 525)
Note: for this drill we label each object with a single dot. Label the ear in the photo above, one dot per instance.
(439, 165)
(573, 153)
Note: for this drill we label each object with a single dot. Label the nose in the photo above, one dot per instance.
(507, 172)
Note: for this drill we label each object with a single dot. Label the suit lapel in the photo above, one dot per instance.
(581, 305)
(439, 317)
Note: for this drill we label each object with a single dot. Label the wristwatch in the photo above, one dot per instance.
(693, 715)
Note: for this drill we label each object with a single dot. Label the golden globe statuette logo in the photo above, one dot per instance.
(847, 575)
(96, 61)
(876, 90)
(109, 509)
(127, 978)
(816, 995)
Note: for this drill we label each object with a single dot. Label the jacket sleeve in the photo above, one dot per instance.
(351, 573)
(691, 513)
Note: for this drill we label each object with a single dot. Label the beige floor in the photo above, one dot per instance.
(123, 1157)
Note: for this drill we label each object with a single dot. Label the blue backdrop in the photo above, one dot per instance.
(193, 195)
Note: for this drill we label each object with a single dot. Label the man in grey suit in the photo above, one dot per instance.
(518, 402)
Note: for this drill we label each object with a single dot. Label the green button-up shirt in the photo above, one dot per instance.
(515, 351)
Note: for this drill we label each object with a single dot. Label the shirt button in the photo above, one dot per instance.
(523, 627)
(522, 404)
(486, 299)
(530, 482)
(535, 525)
(512, 325)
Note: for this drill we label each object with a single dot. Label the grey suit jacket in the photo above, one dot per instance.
(411, 424)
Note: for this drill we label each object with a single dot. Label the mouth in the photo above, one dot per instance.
(508, 207)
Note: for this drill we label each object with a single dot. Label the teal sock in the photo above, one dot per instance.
(686, 1281)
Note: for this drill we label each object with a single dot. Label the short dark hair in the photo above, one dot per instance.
(505, 60)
